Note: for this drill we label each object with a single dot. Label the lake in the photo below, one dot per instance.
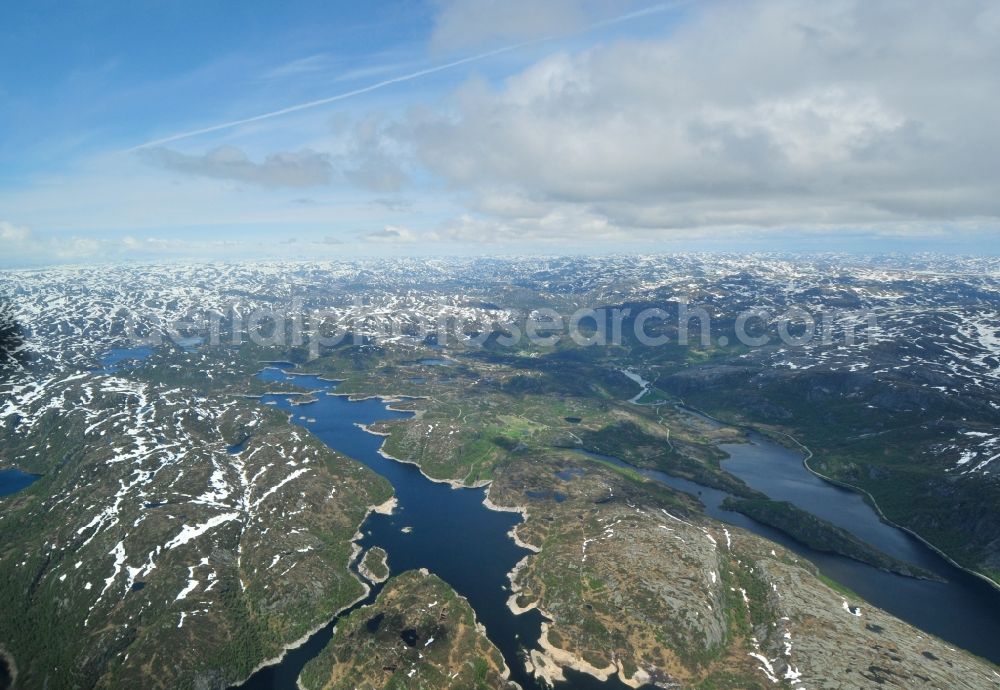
(112, 360)
(13, 480)
(449, 531)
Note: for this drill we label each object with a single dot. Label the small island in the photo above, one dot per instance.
(374, 566)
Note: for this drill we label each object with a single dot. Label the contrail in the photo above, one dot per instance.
(654, 9)
(338, 97)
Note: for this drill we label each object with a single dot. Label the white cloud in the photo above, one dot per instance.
(765, 114)
(735, 118)
(13, 233)
(371, 163)
(393, 234)
(304, 168)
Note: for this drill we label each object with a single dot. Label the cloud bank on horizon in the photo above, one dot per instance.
(518, 127)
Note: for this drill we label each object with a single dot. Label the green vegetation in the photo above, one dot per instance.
(637, 445)
(838, 587)
(628, 570)
(418, 633)
(375, 565)
(884, 437)
(67, 625)
(819, 534)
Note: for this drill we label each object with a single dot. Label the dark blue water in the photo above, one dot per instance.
(238, 448)
(111, 361)
(13, 480)
(449, 531)
(964, 610)
(778, 472)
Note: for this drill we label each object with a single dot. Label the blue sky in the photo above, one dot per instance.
(111, 74)
(574, 125)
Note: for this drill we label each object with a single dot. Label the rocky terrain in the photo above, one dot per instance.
(713, 607)
(151, 530)
(701, 614)
(374, 565)
(182, 534)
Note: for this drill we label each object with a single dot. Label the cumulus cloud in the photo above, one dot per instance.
(393, 234)
(14, 234)
(303, 168)
(370, 162)
(758, 114)
(745, 118)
